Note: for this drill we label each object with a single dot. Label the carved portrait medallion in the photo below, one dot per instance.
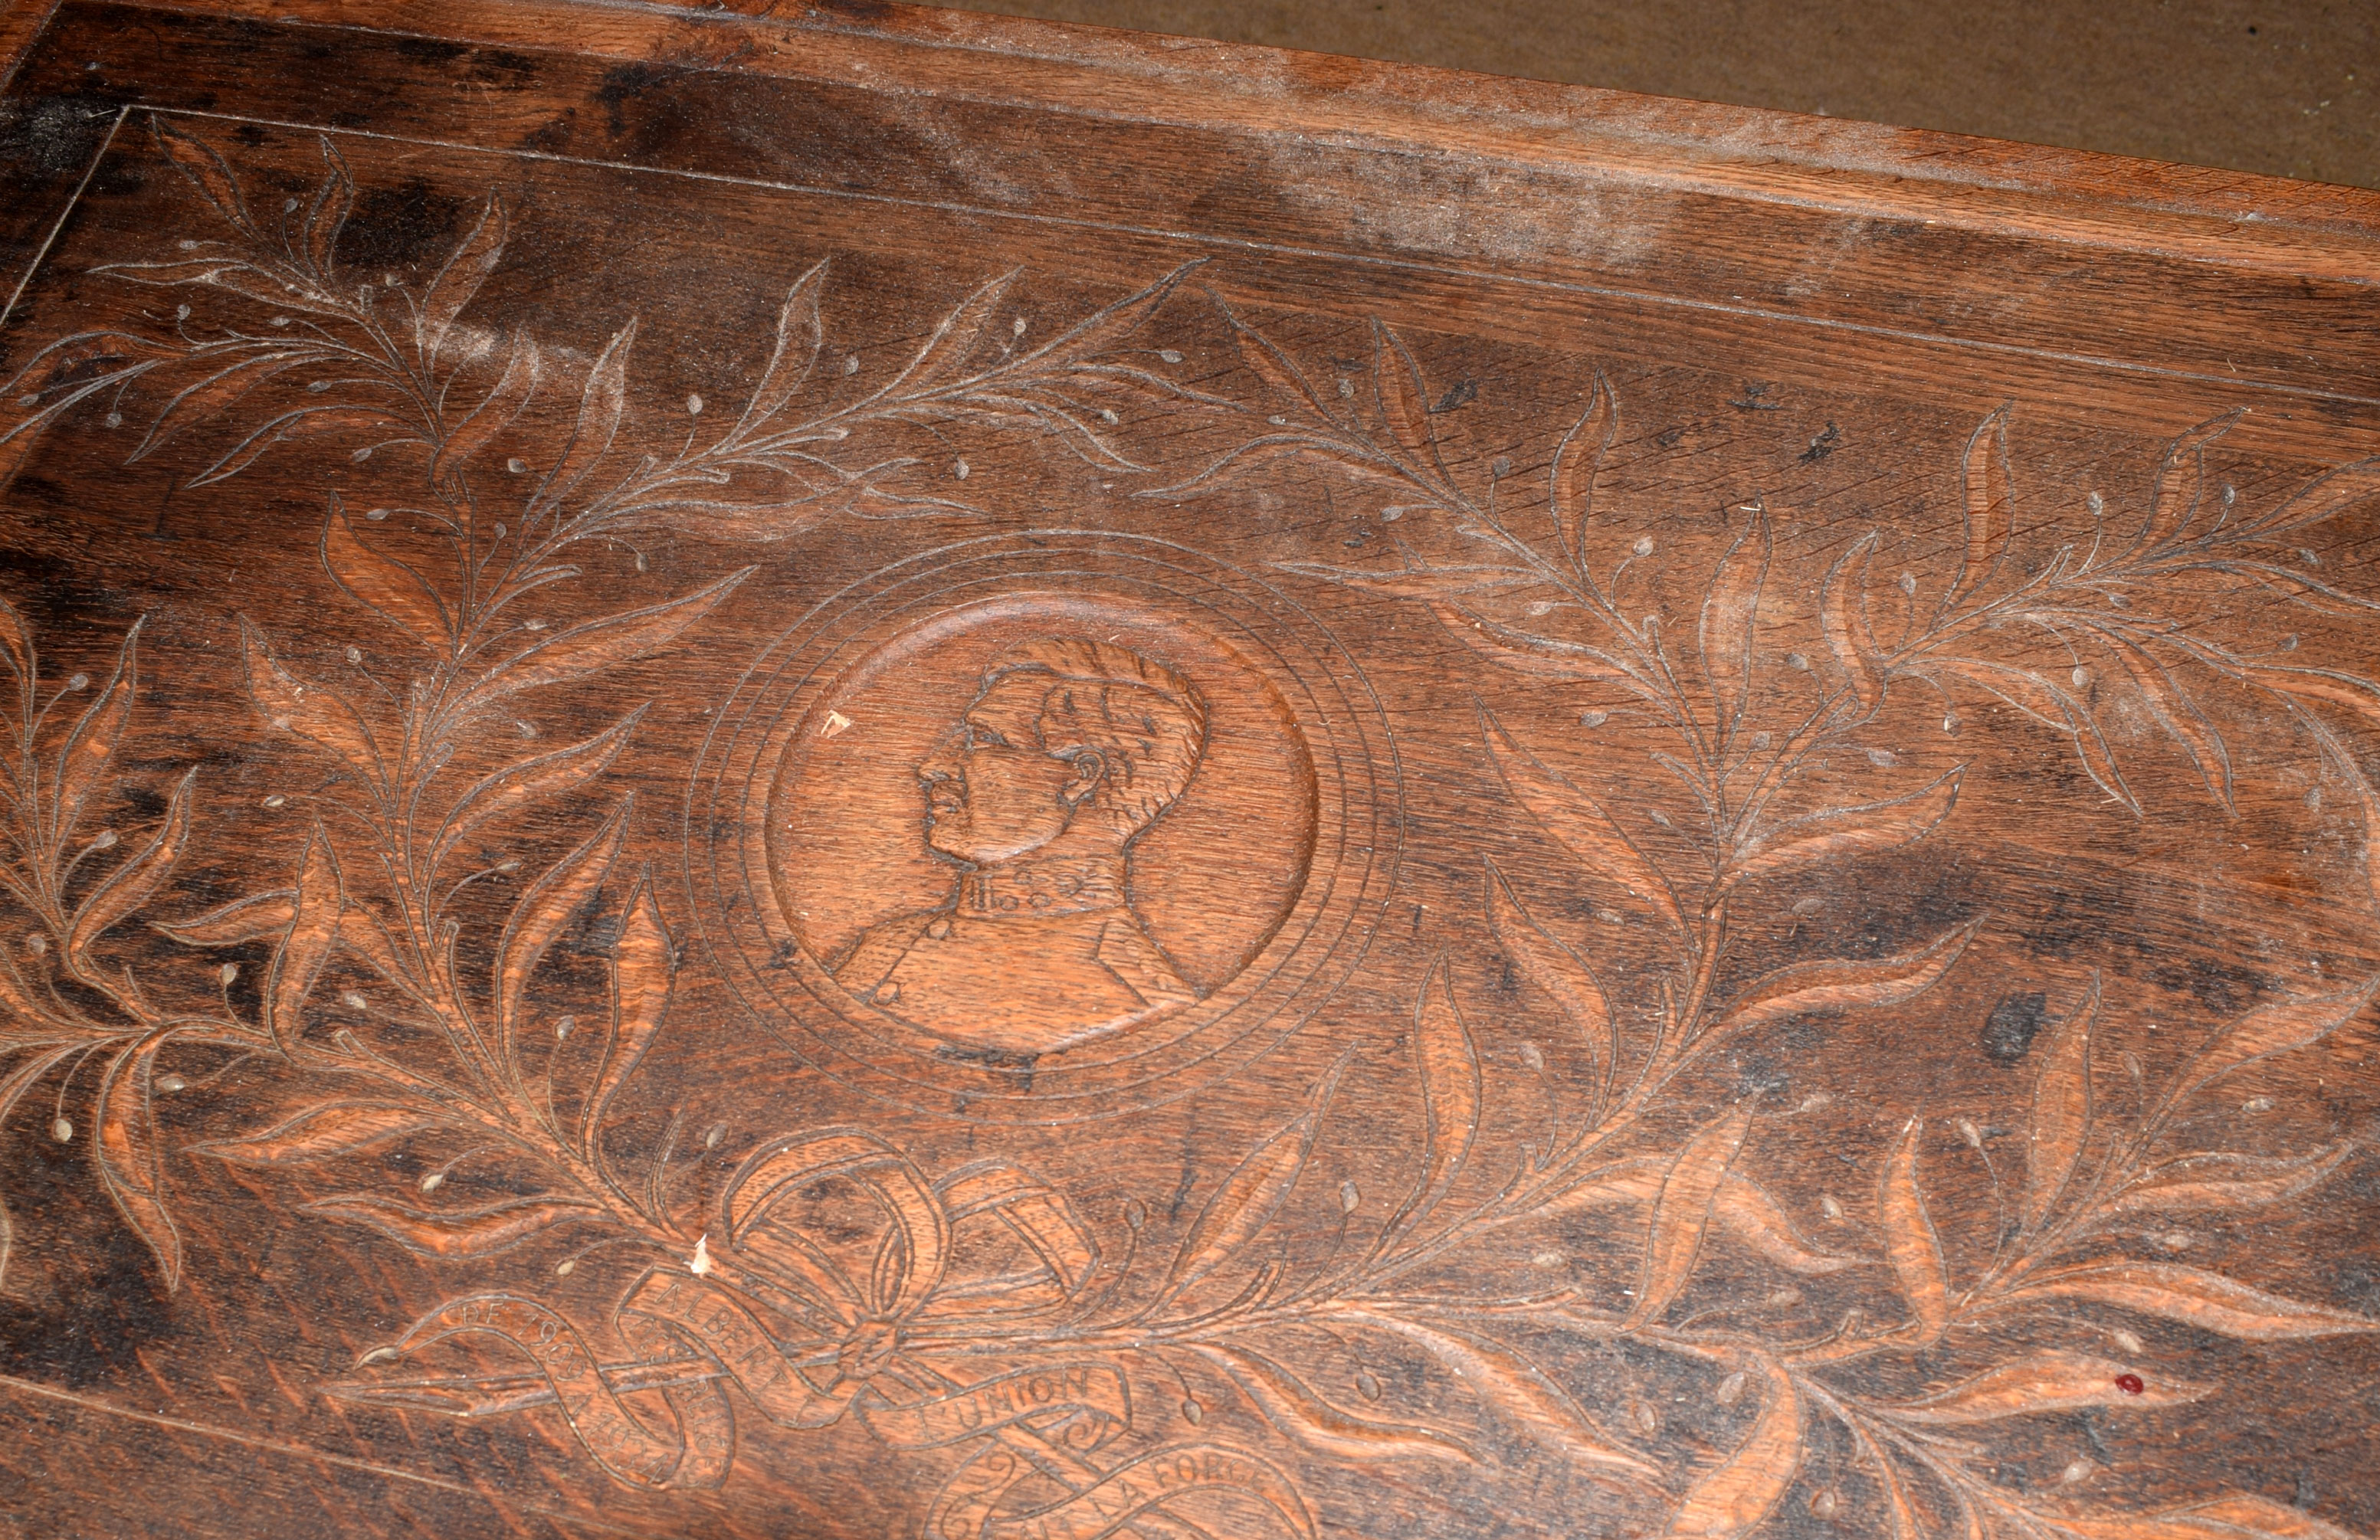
(1047, 826)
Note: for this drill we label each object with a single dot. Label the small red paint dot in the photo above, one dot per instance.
(2130, 1385)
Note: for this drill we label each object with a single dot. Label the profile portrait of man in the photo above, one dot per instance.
(1070, 750)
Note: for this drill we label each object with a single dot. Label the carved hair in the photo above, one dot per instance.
(1141, 718)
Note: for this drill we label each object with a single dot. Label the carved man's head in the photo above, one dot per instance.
(1067, 734)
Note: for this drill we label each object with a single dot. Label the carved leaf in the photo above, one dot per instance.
(2281, 1027)
(1449, 1093)
(2061, 1110)
(457, 1234)
(1842, 616)
(328, 213)
(1242, 1206)
(1404, 404)
(2179, 716)
(459, 280)
(306, 945)
(1865, 830)
(2235, 1516)
(197, 160)
(524, 368)
(644, 967)
(518, 786)
(1515, 1387)
(954, 340)
(2214, 1179)
(1578, 460)
(2181, 481)
(18, 640)
(293, 707)
(245, 919)
(130, 1161)
(543, 912)
(90, 748)
(1038, 1214)
(1910, 1243)
(136, 880)
(1276, 367)
(1990, 504)
(2055, 1381)
(2198, 1298)
(1575, 820)
(601, 644)
(306, 422)
(1538, 657)
(1731, 615)
(1438, 583)
(1293, 1407)
(203, 398)
(319, 1132)
(2053, 708)
(2326, 496)
(1732, 1499)
(799, 336)
(601, 405)
(1682, 1215)
(1838, 986)
(1745, 1210)
(383, 584)
(1636, 1180)
(1558, 972)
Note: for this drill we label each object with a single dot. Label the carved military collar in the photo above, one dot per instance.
(1048, 887)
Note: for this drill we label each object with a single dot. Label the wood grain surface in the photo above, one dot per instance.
(859, 773)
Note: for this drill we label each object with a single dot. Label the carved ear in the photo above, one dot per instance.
(1090, 768)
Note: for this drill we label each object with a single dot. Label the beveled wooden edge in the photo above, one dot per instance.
(1860, 169)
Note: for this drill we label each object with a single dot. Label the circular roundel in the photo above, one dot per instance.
(1044, 827)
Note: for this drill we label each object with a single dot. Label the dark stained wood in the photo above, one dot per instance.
(868, 772)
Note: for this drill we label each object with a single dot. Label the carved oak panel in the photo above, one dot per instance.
(869, 775)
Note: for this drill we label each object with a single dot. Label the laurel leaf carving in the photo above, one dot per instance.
(1511, 1385)
(1293, 1406)
(1990, 504)
(2061, 1110)
(542, 914)
(1910, 1243)
(90, 748)
(1450, 1087)
(800, 335)
(1242, 1206)
(2055, 1381)
(1865, 830)
(1560, 972)
(2281, 1027)
(1682, 1215)
(319, 1132)
(518, 786)
(1575, 820)
(1735, 1497)
(524, 370)
(1396, 381)
(1746, 1211)
(1842, 616)
(383, 584)
(2235, 1516)
(601, 402)
(2195, 1297)
(136, 881)
(644, 967)
(458, 280)
(2222, 1179)
(954, 339)
(596, 645)
(2181, 481)
(292, 705)
(197, 160)
(1729, 620)
(306, 944)
(130, 1161)
(1838, 986)
(460, 1234)
(1577, 461)
(1521, 651)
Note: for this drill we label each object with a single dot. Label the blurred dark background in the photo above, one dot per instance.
(2285, 88)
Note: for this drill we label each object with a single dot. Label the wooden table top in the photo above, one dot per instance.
(868, 772)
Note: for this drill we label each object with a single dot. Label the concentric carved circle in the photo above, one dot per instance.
(1044, 827)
